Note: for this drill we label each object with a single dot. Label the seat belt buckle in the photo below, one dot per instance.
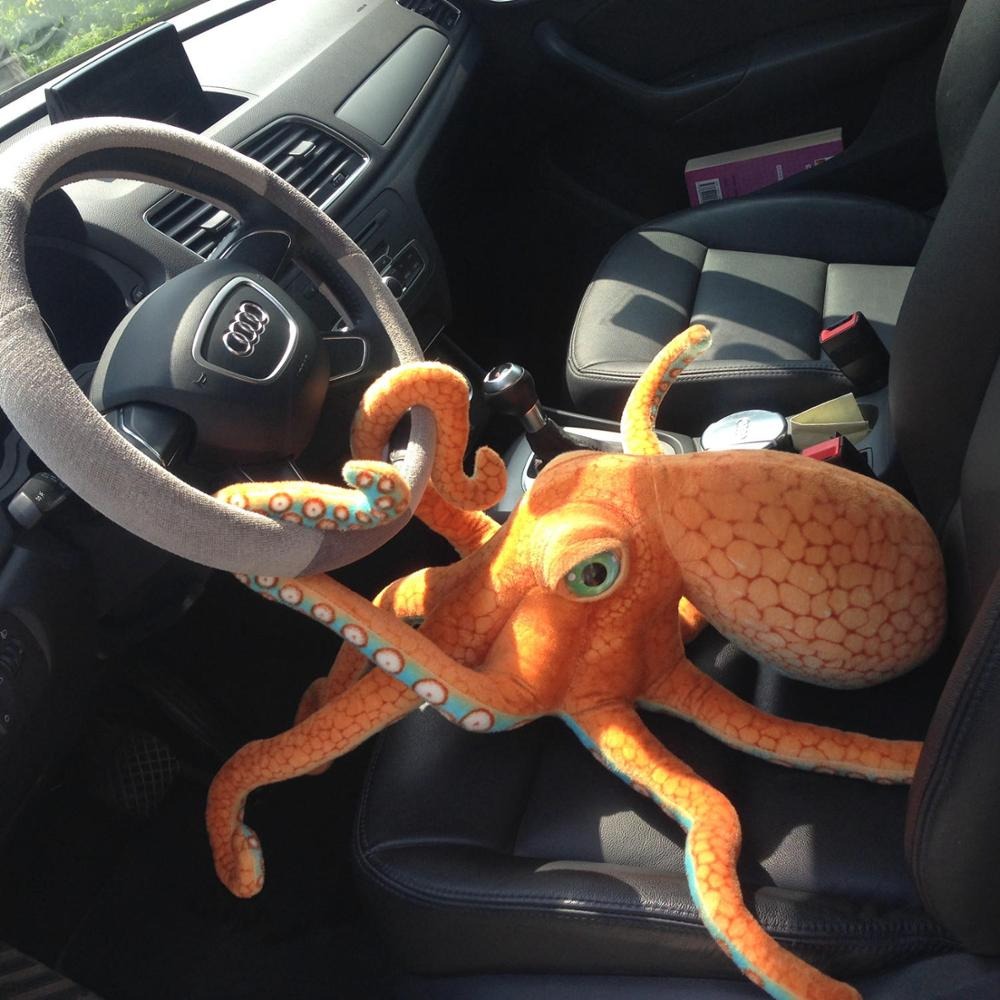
(840, 451)
(855, 348)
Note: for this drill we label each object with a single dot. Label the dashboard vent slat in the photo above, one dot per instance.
(308, 156)
(442, 12)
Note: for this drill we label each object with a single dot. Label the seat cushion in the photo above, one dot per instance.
(765, 274)
(517, 852)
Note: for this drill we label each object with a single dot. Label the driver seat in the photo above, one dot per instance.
(518, 853)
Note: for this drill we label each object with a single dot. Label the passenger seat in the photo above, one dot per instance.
(766, 274)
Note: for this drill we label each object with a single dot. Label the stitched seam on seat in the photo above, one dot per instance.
(697, 283)
(822, 307)
(682, 918)
(390, 874)
(787, 369)
(572, 359)
(660, 225)
(526, 798)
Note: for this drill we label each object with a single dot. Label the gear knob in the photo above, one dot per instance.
(509, 388)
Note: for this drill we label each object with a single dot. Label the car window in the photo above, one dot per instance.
(39, 35)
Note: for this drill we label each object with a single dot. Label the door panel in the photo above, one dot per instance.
(823, 56)
(629, 90)
(649, 39)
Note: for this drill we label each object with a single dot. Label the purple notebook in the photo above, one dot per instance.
(740, 171)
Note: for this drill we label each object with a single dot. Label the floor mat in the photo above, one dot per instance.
(161, 925)
(130, 906)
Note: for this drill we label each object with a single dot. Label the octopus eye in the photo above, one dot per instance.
(594, 576)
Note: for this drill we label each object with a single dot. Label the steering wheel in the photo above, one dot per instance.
(220, 348)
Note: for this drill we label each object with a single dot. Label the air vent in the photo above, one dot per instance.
(312, 159)
(441, 12)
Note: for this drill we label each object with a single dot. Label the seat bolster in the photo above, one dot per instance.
(530, 916)
(954, 809)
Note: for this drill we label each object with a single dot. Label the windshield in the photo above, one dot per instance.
(38, 35)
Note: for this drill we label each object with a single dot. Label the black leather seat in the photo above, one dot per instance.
(517, 852)
(766, 274)
(520, 853)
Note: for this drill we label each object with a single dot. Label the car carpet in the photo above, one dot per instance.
(131, 908)
(162, 927)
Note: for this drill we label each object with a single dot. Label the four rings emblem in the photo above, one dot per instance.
(245, 331)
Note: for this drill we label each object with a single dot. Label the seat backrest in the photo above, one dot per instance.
(969, 75)
(945, 410)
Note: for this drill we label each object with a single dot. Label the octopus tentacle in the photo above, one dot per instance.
(406, 598)
(638, 423)
(466, 530)
(476, 701)
(618, 738)
(688, 693)
(444, 392)
(380, 495)
(375, 702)
(692, 621)
(315, 695)
(638, 426)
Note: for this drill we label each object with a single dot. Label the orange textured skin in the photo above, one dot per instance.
(830, 575)
(446, 394)
(638, 423)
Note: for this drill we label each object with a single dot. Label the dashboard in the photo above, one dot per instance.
(345, 99)
(348, 77)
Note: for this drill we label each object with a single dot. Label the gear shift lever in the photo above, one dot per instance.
(510, 389)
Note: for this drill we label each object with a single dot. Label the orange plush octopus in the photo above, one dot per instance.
(571, 609)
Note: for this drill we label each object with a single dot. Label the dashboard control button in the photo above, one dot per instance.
(39, 496)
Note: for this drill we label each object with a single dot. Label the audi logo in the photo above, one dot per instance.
(243, 334)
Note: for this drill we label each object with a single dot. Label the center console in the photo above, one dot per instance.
(548, 432)
(600, 435)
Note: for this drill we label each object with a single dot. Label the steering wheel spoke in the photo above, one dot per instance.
(269, 472)
(159, 432)
(267, 251)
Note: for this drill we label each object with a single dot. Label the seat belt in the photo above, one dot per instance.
(856, 349)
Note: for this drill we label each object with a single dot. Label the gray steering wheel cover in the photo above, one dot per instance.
(70, 436)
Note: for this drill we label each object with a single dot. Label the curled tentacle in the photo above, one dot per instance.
(380, 495)
(638, 423)
(466, 530)
(336, 727)
(445, 393)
